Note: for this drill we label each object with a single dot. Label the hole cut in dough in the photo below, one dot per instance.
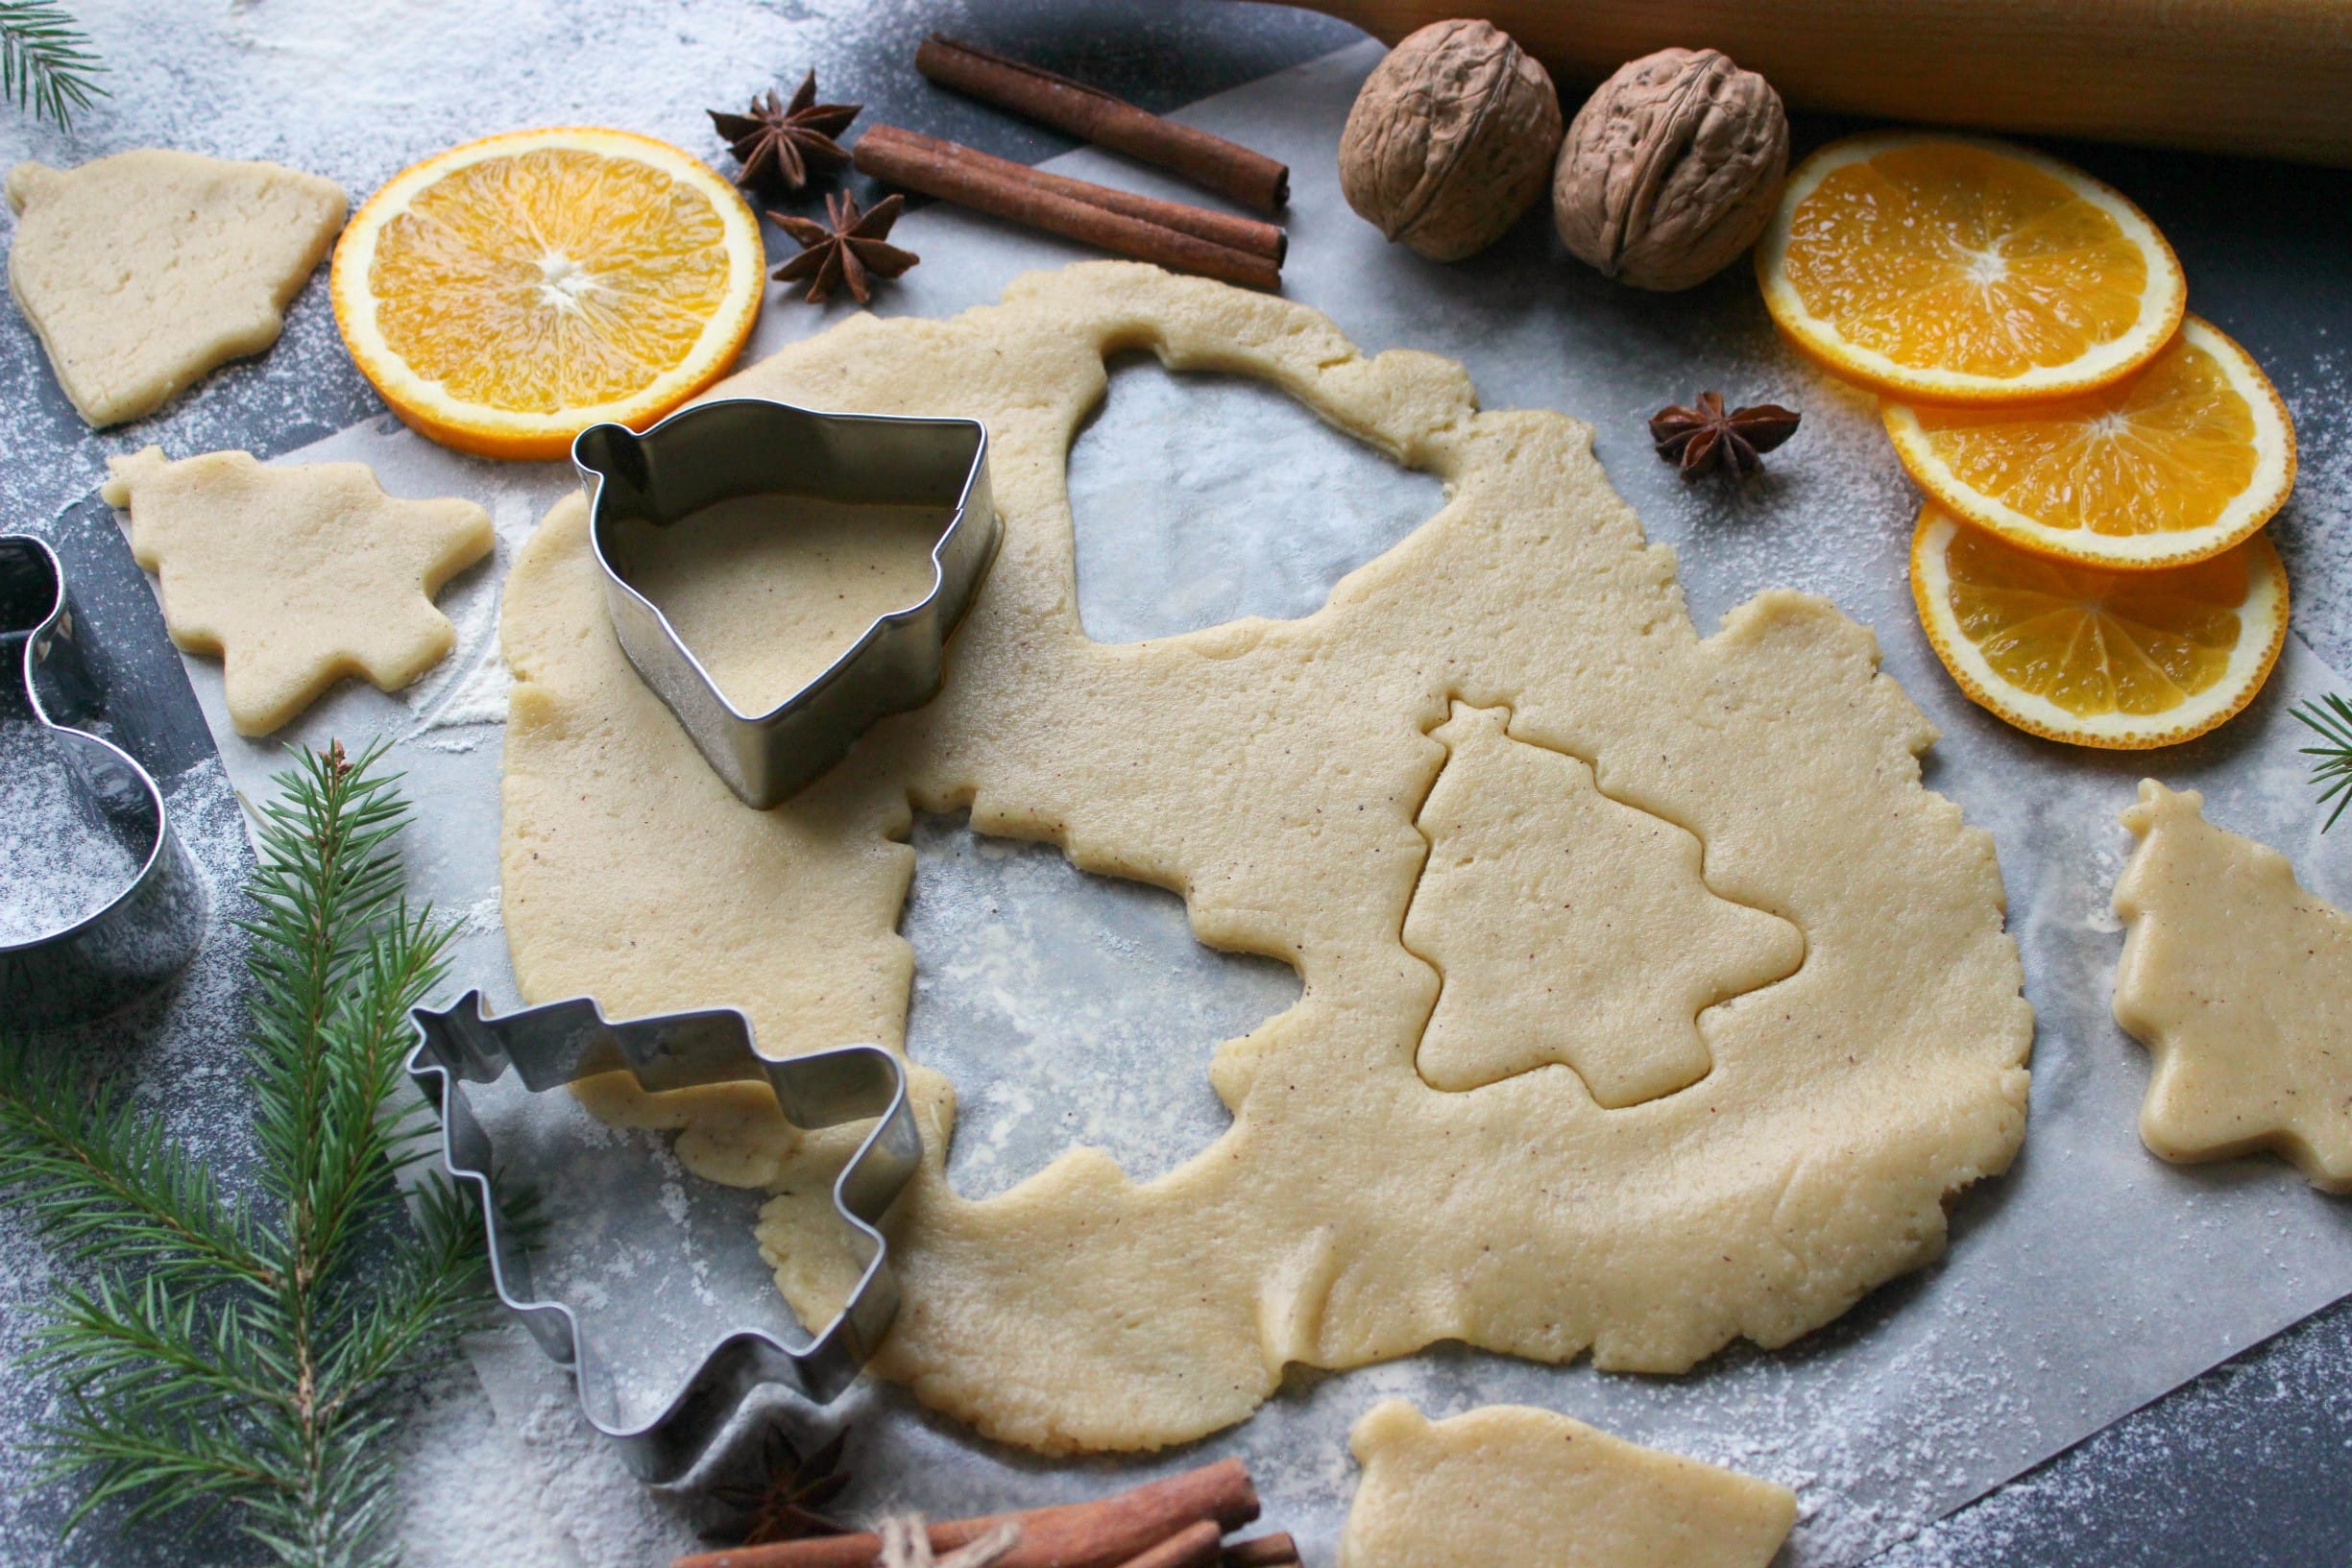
(1199, 498)
(1069, 1009)
(1570, 928)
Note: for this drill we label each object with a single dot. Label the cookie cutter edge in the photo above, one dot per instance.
(147, 932)
(738, 447)
(564, 1042)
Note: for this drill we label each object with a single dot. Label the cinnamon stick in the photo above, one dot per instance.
(1275, 1551)
(1104, 1533)
(1093, 115)
(1195, 1546)
(1219, 228)
(903, 159)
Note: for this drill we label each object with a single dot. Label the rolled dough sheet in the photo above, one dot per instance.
(1275, 774)
(143, 270)
(2239, 981)
(1512, 1486)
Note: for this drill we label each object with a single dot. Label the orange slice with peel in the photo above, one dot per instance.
(507, 294)
(2179, 461)
(1948, 269)
(2124, 661)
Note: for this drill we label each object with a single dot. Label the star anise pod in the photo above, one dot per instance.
(1703, 438)
(848, 250)
(783, 1500)
(784, 143)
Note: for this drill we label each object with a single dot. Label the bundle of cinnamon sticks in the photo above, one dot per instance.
(1173, 235)
(1177, 1523)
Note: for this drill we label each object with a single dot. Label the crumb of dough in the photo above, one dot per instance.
(1754, 1147)
(1507, 1485)
(143, 270)
(2239, 981)
(294, 578)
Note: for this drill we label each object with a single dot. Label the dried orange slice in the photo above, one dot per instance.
(507, 294)
(2177, 461)
(1941, 268)
(2121, 660)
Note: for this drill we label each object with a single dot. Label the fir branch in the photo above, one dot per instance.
(46, 62)
(237, 1356)
(2332, 716)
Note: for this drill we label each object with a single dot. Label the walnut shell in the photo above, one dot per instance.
(1449, 140)
(1672, 168)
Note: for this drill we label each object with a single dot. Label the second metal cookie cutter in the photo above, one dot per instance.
(752, 446)
(566, 1041)
(148, 930)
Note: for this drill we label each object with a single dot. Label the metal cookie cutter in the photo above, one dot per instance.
(566, 1041)
(141, 936)
(753, 446)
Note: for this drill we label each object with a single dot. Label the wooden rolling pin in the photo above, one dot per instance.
(2272, 78)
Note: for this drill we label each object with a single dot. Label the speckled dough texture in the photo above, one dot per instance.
(1273, 774)
(143, 270)
(2239, 981)
(1512, 1486)
(295, 576)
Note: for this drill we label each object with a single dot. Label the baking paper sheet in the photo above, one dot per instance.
(1070, 1008)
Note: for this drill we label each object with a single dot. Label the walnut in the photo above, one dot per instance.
(1672, 169)
(1449, 140)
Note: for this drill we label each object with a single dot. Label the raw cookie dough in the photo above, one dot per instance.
(2239, 983)
(1271, 772)
(1510, 1486)
(143, 270)
(294, 578)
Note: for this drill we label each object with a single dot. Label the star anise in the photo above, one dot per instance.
(848, 250)
(784, 143)
(1703, 438)
(783, 1500)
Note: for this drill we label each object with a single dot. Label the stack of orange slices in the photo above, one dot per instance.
(2098, 465)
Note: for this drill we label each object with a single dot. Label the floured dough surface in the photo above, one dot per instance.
(1510, 1486)
(768, 591)
(143, 271)
(294, 578)
(2239, 981)
(1280, 776)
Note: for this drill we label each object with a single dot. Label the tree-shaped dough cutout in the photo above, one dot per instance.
(1607, 943)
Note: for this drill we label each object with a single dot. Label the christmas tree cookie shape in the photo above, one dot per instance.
(143, 270)
(2239, 981)
(1570, 928)
(294, 578)
(1510, 1484)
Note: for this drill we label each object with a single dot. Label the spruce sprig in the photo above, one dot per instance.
(2332, 716)
(46, 62)
(222, 1352)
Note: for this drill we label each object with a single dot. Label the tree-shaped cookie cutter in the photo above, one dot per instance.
(566, 1041)
(745, 446)
(49, 674)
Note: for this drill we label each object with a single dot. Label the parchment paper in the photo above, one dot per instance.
(1067, 1008)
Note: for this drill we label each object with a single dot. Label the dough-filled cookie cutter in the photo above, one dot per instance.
(752, 446)
(49, 674)
(566, 1041)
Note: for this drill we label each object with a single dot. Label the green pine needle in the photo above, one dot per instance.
(46, 62)
(2332, 716)
(241, 1356)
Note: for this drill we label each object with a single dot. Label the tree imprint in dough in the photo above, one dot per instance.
(1570, 926)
